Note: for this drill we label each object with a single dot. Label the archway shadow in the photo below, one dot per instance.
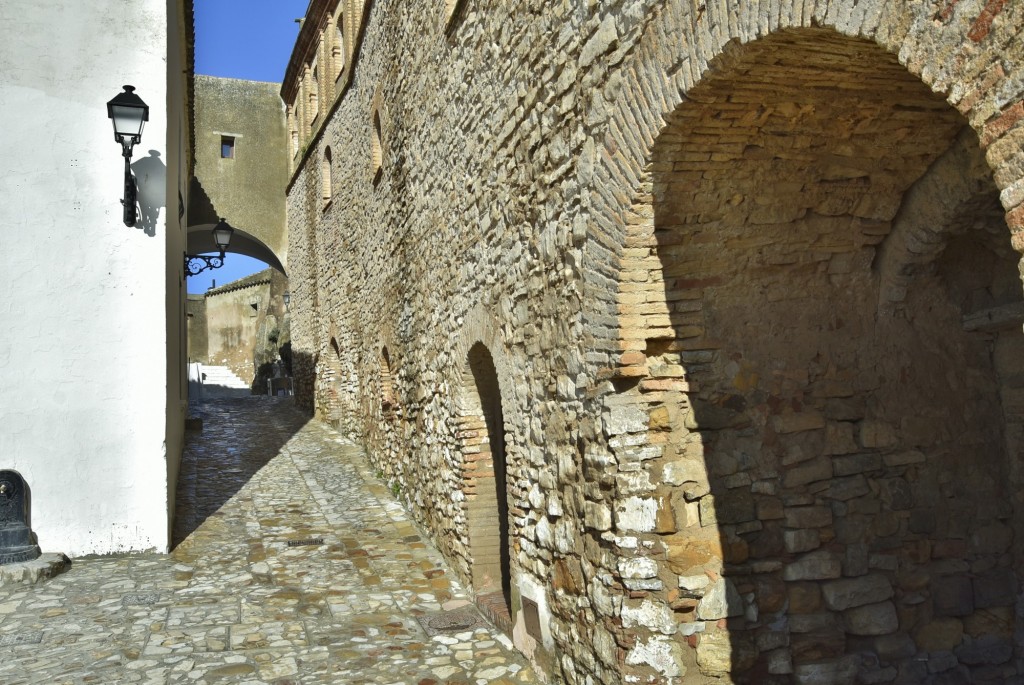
(238, 438)
(840, 480)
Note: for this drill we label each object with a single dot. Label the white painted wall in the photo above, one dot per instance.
(83, 354)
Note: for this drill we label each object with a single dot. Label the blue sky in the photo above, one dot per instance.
(248, 39)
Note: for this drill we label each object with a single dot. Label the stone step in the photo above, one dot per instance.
(222, 375)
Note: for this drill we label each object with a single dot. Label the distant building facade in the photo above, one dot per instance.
(242, 325)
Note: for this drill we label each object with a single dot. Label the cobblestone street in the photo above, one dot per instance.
(293, 564)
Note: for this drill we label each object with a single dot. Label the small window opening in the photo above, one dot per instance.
(338, 51)
(326, 188)
(376, 148)
(314, 95)
(227, 147)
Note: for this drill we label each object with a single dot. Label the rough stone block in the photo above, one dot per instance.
(952, 596)
(847, 593)
(895, 647)
(720, 653)
(685, 470)
(903, 458)
(842, 489)
(694, 586)
(850, 464)
(922, 521)
(597, 516)
(721, 600)
(733, 507)
(896, 494)
(875, 433)
(636, 514)
(599, 43)
(855, 559)
(706, 416)
(797, 423)
(688, 555)
(654, 616)
(986, 650)
(37, 570)
(638, 567)
(808, 517)
(872, 619)
(780, 662)
(812, 471)
(994, 538)
(804, 598)
(801, 540)
(769, 509)
(940, 634)
(622, 419)
(818, 565)
(995, 621)
(995, 588)
(832, 672)
(839, 438)
(663, 655)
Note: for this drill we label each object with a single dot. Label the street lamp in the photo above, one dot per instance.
(196, 264)
(287, 297)
(129, 114)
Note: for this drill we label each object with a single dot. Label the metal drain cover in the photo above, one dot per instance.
(306, 542)
(142, 599)
(12, 639)
(454, 621)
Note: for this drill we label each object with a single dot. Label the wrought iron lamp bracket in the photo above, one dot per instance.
(196, 264)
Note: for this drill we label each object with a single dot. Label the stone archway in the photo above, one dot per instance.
(482, 432)
(332, 383)
(388, 402)
(834, 498)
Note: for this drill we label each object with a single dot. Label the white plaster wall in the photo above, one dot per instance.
(83, 354)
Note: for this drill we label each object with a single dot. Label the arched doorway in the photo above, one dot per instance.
(482, 429)
(388, 402)
(842, 453)
(331, 383)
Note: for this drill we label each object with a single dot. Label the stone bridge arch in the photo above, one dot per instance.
(790, 486)
(243, 183)
(200, 240)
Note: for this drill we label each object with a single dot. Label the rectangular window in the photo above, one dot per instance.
(227, 147)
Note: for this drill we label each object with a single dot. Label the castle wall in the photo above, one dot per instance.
(747, 274)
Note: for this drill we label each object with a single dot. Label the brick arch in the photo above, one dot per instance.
(754, 448)
(955, 196)
(481, 426)
(331, 382)
(480, 348)
(388, 399)
(336, 380)
(679, 46)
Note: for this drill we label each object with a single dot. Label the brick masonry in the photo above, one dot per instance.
(746, 272)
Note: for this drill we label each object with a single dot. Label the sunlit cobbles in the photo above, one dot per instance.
(234, 603)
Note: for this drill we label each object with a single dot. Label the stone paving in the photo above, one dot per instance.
(295, 565)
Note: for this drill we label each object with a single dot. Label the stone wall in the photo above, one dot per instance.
(198, 329)
(745, 273)
(247, 325)
(245, 186)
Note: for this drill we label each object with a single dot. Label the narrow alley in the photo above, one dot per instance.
(293, 564)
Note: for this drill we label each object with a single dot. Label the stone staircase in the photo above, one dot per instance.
(220, 381)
